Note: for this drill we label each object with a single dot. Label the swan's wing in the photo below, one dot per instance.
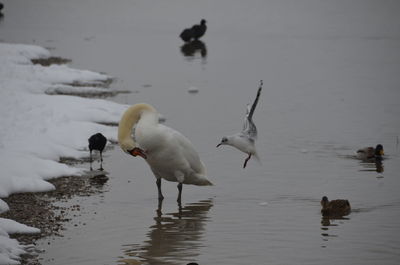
(249, 128)
(184, 150)
(176, 156)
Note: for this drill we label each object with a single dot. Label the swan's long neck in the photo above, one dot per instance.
(131, 116)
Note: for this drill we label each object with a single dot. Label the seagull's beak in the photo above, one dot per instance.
(138, 152)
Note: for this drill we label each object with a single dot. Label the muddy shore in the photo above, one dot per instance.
(39, 209)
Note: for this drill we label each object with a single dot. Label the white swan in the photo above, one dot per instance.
(169, 154)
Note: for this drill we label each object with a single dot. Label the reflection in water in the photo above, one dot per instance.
(329, 222)
(190, 49)
(1, 11)
(98, 180)
(373, 165)
(175, 238)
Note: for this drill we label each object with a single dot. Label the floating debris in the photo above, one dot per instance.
(193, 90)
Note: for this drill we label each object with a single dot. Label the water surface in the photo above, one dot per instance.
(331, 85)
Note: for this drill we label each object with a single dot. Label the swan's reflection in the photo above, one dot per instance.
(190, 49)
(175, 238)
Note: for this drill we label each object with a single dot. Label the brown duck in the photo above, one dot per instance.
(335, 208)
(370, 152)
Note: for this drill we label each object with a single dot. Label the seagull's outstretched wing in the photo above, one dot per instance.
(249, 128)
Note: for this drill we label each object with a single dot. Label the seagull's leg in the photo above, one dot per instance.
(180, 193)
(247, 159)
(160, 196)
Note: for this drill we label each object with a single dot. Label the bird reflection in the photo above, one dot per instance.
(1, 11)
(328, 223)
(373, 165)
(190, 49)
(175, 238)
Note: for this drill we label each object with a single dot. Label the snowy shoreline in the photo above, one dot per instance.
(38, 127)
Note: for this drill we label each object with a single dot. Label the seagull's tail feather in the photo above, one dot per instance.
(257, 158)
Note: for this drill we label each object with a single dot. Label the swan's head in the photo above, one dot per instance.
(137, 152)
(224, 141)
(130, 117)
(128, 146)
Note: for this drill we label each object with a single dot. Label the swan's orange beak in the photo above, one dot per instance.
(138, 152)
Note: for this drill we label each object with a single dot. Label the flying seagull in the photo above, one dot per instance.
(244, 141)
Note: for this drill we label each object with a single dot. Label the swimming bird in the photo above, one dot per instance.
(370, 152)
(195, 32)
(97, 142)
(186, 35)
(245, 140)
(335, 208)
(169, 154)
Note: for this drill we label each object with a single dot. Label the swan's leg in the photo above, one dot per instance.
(247, 159)
(180, 192)
(160, 196)
(159, 208)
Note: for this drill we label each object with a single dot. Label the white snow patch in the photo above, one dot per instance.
(36, 129)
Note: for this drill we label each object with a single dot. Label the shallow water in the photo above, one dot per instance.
(331, 85)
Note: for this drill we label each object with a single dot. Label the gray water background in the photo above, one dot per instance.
(331, 72)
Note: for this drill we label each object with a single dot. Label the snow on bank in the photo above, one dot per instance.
(36, 129)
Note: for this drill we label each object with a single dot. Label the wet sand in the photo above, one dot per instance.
(43, 210)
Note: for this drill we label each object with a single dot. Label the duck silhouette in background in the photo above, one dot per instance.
(370, 153)
(335, 208)
(97, 142)
(195, 32)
